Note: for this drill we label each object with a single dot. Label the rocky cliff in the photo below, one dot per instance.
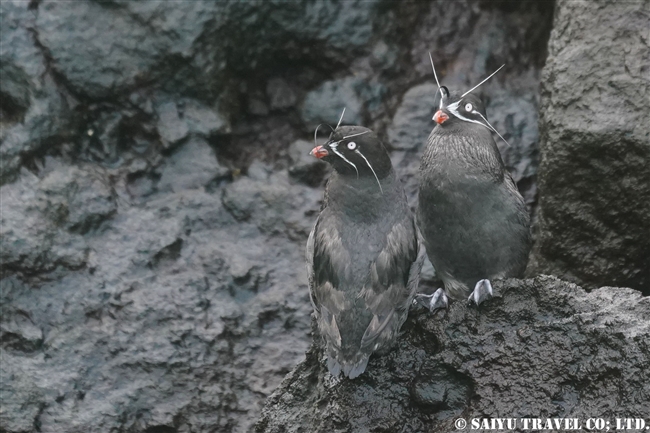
(543, 348)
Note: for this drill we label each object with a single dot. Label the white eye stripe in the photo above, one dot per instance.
(453, 107)
(352, 145)
(336, 143)
(453, 110)
(355, 135)
(333, 146)
(372, 169)
(494, 129)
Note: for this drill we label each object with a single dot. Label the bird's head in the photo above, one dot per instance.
(355, 151)
(467, 108)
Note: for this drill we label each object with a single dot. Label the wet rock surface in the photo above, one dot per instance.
(541, 348)
(596, 131)
(157, 192)
(176, 316)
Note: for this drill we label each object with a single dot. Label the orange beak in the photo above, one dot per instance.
(319, 152)
(440, 117)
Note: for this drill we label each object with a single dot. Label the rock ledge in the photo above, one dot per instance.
(541, 348)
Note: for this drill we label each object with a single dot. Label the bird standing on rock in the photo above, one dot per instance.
(363, 254)
(472, 217)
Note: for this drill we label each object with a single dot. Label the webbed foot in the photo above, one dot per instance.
(433, 302)
(482, 292)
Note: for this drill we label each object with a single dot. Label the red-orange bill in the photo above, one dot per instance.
(319, 152)
(440, 117)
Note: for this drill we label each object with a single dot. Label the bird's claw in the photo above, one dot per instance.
(482, 292)
(433, 302)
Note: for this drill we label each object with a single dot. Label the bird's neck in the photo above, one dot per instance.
(464, 129)
(468, 150)
(362, 196)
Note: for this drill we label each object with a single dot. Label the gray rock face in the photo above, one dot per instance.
(280, 94)
(412, 122)
(192, 166)
(134, 42)
(175, 316)
(541, 348)
(21, 59)
(43, 219)
(177, 119)
(28, 91)
(326, 103)
(594, 177)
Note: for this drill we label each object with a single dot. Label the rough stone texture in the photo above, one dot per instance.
(29, 94)
(177, 318)
(280, 94)
(541, 348)
(40, 217)
(412, 122)
(595, 148)
(326, 103)
(192, 166)
(112, 55)
(177, 119)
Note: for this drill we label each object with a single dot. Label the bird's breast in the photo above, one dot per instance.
(458, 156)
(362, 202)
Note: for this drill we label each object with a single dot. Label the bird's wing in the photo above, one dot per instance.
(309, 251)
(416, 266)
(309, 256)
(327, 262)
(330, 262)
(393, 280)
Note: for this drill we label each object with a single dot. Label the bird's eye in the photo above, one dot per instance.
(352, 145)
(468, 107)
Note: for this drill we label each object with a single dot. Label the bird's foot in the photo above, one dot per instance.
(433, 302)
(482, 292)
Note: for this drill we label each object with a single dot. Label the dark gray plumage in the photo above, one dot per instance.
(363, 255)
(472, 217)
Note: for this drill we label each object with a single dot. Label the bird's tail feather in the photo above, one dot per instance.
(350, 369)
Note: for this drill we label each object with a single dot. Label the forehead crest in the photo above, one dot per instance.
(468, 107)
(347, 132)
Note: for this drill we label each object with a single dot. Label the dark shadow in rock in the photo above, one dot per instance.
(167, 255)
(441, 391)
(19, 333)
(160, 429)
(11, 110)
